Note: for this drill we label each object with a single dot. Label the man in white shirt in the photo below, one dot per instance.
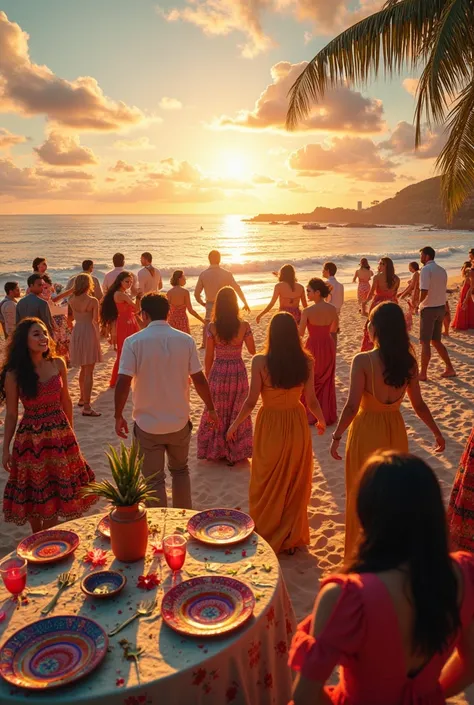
(88, 268)
(159, 359)
(211, 281)
(119, 265)
(433, 281)
(8, 308)
(149, 278)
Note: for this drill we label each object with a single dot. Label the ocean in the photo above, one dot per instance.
(250, 250)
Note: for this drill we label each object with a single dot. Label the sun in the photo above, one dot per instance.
(235, 166)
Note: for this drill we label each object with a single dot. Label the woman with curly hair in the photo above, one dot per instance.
(46, 468)
(118, 307)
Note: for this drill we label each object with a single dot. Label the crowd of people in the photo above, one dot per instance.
(395, 524)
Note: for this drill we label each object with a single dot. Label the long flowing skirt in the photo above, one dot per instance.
(63, 336)
(461, 503)
(363, 290)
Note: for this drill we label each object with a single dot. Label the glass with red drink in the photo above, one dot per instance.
(174, 548)
(13, 572)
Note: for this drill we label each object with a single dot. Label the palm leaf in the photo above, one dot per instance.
(456, 159)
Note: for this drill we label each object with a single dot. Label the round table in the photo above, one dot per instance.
(248, 666)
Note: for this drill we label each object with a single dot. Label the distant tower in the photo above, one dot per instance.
(359, 205)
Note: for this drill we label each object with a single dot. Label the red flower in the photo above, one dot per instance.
(97, 556)
(198, 676)
(289, 627)
(268, 680)
(228, 552)
(206, 688)
(281, 648)
(270, 615)
(148, 582)
(120, 681)
(254, 653)
(231, 693)
(244, 553)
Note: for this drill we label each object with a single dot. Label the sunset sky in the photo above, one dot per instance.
(135, 106)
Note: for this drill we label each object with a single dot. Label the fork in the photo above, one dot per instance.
(65, 580)
(145, 608)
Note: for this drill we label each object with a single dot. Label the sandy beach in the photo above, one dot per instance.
(216, 485)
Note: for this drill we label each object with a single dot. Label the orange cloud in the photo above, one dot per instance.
(411, 85)
(170, 103)
(30, 89)
(138, 144)
(260, 179)
(64, 150)
(402, 142)
(342, 109)
(66, 174)
(122, 167)
(356, 157)
(8, 139)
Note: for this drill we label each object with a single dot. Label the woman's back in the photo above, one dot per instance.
(369, 631)
(177, 296)
(382, 284)
(364, 274)
(375, 384)
(288, 295)
(321, 314)
(83, 307)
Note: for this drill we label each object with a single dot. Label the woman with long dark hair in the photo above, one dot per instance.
(379, 380)
(385, 286)
(46, 468)
(282, 462)
(228, 382)
(180, 303)
(289, 292)
(399, 618)
(363, 275)
(118, 307)
(320, 320)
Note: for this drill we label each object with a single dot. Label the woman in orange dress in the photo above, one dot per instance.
(282, 461)
(379, 380)
(399, 618)
(119, 306)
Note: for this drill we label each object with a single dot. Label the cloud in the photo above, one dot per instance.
(141, 143)
(65, 150)
(221, 17)
(122, 167)
(356, 157)
(170, 103)
(292, 186)
(402, 142)
(342, 109)
(8, 139)
(411, 85)
(145, 189)
(32, 89)
(259, 179)
(66, 174)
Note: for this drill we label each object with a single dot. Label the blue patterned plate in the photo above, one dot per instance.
(52, 652)
(48, 546)
(220, 527)
(103, 583)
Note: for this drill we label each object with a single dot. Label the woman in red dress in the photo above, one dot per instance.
(180, 303)
(46, 468)
(119, 306)
(464, 316)
(321, 320)
(461, 503)
(385, 287)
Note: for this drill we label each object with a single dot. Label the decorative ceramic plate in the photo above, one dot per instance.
(103, 583)
(220, 527)
(52, 652)
(48, 546)
(208, 606)
(103, 527)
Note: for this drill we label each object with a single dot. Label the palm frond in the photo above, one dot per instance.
(395, 35)
(448, 67)
(456, 160)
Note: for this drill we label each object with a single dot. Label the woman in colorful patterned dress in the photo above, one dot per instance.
(62, 333)
(118, 305)
(363, 275)
(289, 292)
(461, 503)
(180, 302)
(46, 468)
(228, 381)
(384, 288)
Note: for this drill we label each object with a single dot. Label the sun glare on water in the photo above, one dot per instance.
(236, 239)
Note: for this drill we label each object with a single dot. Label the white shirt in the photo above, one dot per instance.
(434, 280)
(336, 297)
(111, 276)
(160, 360)
(149, 283)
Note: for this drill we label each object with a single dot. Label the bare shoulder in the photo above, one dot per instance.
(326, 603)
(60, 365)
(259, 361)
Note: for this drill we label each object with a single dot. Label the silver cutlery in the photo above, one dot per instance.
(65, 580)
(145, 608)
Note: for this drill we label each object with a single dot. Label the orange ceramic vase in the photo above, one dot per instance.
(129, 532)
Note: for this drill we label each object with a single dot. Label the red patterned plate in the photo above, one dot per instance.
(208, 606)
(48, 546)
(220, 527)
(52, 652)
(103, 527)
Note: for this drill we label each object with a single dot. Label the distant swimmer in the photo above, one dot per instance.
(202, 228)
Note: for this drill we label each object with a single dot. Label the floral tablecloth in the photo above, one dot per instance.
(249, 666)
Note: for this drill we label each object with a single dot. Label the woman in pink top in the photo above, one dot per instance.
(399, 619)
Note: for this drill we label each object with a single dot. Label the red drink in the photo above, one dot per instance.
(174, 548)
(13, 572)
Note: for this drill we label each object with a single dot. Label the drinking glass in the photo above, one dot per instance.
(174, 548)
(13, 572)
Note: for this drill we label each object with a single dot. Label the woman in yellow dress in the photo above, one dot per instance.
(282, 461)
(379, 380)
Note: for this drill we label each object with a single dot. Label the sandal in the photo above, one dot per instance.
(80, 403)
(91, 412)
